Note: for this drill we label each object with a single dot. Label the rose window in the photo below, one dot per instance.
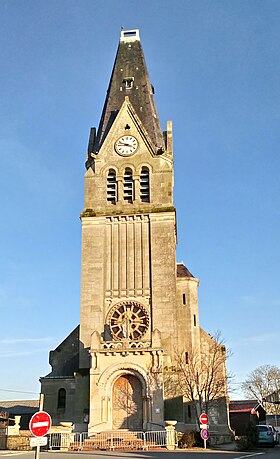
(128, 320)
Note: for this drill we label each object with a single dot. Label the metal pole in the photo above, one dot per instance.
(41, 405)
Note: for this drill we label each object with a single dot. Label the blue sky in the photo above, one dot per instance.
(215, 68)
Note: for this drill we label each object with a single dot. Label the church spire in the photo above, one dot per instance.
(130, 78)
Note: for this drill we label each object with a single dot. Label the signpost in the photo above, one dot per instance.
(204, 428)
(39, 426)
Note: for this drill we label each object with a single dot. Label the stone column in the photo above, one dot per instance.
(170, 435)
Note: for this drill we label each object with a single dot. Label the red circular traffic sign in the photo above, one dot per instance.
(40, 423)
(204, 434)
(203, 418)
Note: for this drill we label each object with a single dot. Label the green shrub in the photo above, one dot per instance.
(250, 439)
(190, 439)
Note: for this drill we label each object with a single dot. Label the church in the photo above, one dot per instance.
(139, 308)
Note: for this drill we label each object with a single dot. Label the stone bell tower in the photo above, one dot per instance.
(139, 309)
(128, 286)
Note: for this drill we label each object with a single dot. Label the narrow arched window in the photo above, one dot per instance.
(112, 187)
(145, 185)
(128, 186)
(61, 399)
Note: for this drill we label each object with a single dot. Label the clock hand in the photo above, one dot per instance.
(125, 144)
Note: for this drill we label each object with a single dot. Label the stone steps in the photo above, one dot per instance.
(120, 439)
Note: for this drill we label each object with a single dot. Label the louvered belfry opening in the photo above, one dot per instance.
(128, 186)
(145, 185)
(112, 186)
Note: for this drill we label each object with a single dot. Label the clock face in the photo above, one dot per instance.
(128, 320)
(126, 145)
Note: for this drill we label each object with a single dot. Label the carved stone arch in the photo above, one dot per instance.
(105, 170)
(113, 372)
(125, 387)
(147, 165)
(128, 166)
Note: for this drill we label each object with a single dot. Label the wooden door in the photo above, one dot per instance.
(127, 403)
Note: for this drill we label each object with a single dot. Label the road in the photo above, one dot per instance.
(265, 453)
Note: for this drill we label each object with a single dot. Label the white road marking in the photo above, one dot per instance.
(12, 453)
(248, 455)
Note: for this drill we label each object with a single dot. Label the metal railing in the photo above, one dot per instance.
(115, 440)
(155, 439)
(65, 440)
(107, 440)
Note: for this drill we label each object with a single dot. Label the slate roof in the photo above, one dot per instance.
(182, 271)
(130, 65)
(19, 406)
(64, 360)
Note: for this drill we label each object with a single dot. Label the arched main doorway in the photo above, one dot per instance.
(127, 404)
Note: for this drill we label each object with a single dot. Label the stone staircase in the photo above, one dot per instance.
(114, 439)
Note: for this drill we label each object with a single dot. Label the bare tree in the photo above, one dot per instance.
(201, 376)
(261, 383)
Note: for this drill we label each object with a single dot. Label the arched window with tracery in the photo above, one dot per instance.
(145, 184)
(128, 186)
(61, 399)
(112, 190)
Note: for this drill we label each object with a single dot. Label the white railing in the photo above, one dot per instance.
(60, 440)
(107, 440)
(115, 440)
(66, 440)
(155, 439)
